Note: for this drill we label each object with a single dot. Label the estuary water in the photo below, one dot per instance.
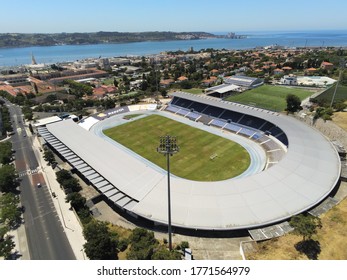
(54, 54)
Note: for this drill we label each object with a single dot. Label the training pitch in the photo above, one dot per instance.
(202, 157)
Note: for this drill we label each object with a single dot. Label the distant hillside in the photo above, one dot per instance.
(45, 39)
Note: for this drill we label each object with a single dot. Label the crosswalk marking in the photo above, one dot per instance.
(28, 172)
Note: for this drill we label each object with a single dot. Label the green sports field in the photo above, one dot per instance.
(341, 94)
(197, 147)
(269, 97)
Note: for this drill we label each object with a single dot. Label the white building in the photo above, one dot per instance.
(289, 80)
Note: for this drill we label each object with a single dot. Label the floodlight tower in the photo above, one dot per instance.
(168, 146)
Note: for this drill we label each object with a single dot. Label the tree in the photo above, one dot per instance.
(71, 185)
(62, 175)
(163, 253)
(293, 103)
(10, 214)
(8, 178)
(68, 182)
(305, 225)
(49, 156)
(101, 244)
(76, 200)
(142, 244)
(6, 246)
(5, 152)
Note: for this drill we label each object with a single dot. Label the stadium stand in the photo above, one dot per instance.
(232, 127)
(219, 123)
(172, 109)
(205, 119)
(193, 116)
(213, 111)
(249, 126)
(233, 116)
(199, 107)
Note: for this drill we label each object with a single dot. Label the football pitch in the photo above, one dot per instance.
(202, 157)
(269, 97)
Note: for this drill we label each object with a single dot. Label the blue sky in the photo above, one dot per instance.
(34, 16)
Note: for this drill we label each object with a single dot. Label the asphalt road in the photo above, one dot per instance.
(44, 230)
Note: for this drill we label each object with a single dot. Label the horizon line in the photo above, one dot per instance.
(211, 32)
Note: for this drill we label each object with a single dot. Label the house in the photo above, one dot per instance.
(327, 65)
(278, 71)
(166, 83)
(209, 82)
(182, 78)
(311, 71)
(214, 72)
(287, 69)
(102, 91)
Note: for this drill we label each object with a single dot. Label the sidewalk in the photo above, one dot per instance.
(71, 224)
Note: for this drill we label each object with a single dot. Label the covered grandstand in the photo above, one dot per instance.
(243, 81)
(306, 174)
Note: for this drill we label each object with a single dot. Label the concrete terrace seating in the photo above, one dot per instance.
(219, 123)
(193, 116)
(182, 111)
(247, 132)
(232, 127)
(205, 119)
(172, 109)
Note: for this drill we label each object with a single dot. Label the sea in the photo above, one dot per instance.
(10, 57)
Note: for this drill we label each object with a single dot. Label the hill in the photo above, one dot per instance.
(51, 39)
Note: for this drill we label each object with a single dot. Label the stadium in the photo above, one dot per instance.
(292, 166)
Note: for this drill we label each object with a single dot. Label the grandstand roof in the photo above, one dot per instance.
(243, 81)
(222, 88)
(303, 178)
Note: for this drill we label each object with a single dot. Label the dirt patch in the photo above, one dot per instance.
(340, 118)
(332, 238)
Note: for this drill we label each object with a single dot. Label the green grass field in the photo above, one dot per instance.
(194, 90)
(341, 94)
(196, 148)
(269, 97)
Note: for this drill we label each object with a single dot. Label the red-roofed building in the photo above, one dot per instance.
(327, 65)
(182, 78)
(311, 70)
(287, 69)
(209, 82)
(166, 83)
(278, 71)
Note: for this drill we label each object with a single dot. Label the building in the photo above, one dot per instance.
(290, 80)
(244, 81)
(311, 70)
(223, 90)
(278, 71)
(327, 65)
(317, 81)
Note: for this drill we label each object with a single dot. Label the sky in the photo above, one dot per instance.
(45, 16)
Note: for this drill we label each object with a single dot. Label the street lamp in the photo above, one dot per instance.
(168, 146)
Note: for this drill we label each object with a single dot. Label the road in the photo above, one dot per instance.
(44, 230)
